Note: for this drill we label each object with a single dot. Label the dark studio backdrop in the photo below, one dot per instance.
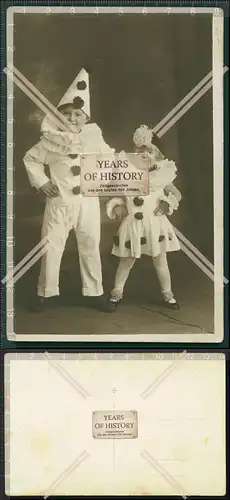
(140, 68)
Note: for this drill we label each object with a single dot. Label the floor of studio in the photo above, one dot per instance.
(139, 312)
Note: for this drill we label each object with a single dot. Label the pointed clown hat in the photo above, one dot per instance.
(78, 93)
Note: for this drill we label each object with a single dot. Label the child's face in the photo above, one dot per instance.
(76, 117)
(148, 156)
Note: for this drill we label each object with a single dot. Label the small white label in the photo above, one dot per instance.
(115, 424)
(114, 175)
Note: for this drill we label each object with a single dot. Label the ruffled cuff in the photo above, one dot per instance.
(172, 203)
(112, 204)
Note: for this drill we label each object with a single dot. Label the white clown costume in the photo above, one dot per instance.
(144, 230)
(69, 210)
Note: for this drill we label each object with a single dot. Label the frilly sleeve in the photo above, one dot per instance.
(165, 173)
(173, 204)
(112, 204)
(100, 145)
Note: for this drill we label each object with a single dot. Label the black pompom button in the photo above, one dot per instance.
(170, 237)
(154, 167)
(116, 240)
(161, 238)
(76, 190)
(138, 202)
(164, 205)
(81, 85)
(143, 240)
(76, 170)
(78, 102)
(128, 244)
(73, 157)
(138, 215)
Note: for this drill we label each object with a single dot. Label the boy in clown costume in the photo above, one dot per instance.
(66, 208)
(145, 228)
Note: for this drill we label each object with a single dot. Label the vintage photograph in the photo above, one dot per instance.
(124, 434)
(125, 264)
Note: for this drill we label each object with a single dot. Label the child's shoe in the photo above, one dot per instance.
(98, 302)
(114, 300)
(38, 305)
(42, 303)
(169, 301)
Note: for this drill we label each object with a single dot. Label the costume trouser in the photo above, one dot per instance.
(83, 215)
(126, 264)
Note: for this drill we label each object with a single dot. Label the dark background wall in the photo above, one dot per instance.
(140, 68)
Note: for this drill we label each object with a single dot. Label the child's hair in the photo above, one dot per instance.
(77, 104)
(156, 141)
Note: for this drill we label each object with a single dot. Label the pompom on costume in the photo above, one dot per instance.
(78, 93)
(145, 230)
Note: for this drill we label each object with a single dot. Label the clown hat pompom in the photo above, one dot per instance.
(78, 93)
(142, 136)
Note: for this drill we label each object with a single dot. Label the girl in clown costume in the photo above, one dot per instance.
(145, 228)
(66, 208)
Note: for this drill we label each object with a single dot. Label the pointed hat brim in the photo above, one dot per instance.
(78, 93)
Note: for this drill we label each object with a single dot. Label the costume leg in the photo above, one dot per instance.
(161, 265)
(124, 267)
(87, 232)
(55, 224)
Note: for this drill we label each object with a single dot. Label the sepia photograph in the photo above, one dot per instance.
(115, 174)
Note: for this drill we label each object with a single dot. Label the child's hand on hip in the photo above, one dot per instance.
(120, 211)
(163, 208)
(50, 190)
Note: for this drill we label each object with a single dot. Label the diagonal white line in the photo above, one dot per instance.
(195, 250)
(61, 370)
(54, 111)
(182, 102)
(184, 243)
(30, 90)
(40, 246)
(197, 261)
(188, 106)
(46, 102)
(83, 393)
(27, 266)
(150, 389)
(165, 474)
(169, 125)
(33, 98)
(24, 260)
(76, 463)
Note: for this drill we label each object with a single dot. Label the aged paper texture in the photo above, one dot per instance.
(151, 251)
(180, 401)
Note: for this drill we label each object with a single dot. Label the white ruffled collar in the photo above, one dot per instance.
(58, 141)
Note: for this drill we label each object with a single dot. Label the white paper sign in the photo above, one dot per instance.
(113, 175)
(115, 424)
